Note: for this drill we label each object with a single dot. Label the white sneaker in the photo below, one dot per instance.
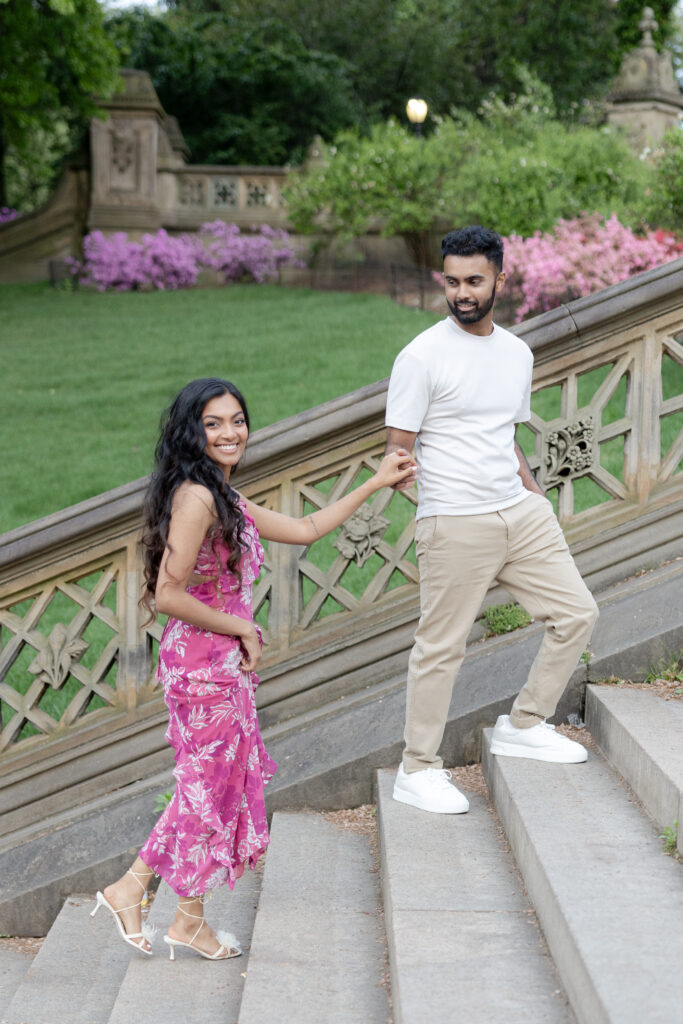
(430, 790)
(540, 742)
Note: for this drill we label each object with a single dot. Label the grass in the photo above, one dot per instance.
(86, 376)
(504, 618)
(669, 837)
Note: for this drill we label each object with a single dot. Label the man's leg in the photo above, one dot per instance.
(541, 574)
(458, 558)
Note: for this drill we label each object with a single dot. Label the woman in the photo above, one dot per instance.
(202, 556)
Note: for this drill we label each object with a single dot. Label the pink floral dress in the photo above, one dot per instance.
(216, 820)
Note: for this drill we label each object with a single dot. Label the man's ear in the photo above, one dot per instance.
(500, 281)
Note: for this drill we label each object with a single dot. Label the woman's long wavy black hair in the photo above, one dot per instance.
(181, 455)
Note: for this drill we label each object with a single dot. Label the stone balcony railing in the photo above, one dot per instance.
(80, 706)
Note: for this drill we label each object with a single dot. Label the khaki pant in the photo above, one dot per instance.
(522, 547)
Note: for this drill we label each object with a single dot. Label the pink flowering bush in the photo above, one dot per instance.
(577, 257)
(164, 261)
(7, 214)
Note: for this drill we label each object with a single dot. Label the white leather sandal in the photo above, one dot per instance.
(146, 933)
(229, 946)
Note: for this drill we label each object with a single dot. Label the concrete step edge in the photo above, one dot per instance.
(459, 936)
(191, 990)
(317, 951)
(76, 974)
(640, 735)
(601, 887)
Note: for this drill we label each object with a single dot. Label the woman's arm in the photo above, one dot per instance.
(192, 515)
(288, 530)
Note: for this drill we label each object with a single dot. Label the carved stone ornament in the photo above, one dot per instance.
(569, 451)
(225, 192)
(53, 662)
(122, 152)
(191, 192)
(257, 194)
(361, 534)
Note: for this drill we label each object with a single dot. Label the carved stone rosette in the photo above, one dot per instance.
(569, 451)
(361, 534)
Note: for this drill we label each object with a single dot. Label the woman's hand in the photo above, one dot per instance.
(397, 467)
(251, 646)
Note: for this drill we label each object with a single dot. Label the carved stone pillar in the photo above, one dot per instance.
(645, 98)
(124, 155)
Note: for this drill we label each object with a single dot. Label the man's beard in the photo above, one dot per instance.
(474, 314)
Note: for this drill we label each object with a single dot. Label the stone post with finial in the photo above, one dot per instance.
(645, 99)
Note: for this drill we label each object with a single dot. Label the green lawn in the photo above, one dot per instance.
(86, 376)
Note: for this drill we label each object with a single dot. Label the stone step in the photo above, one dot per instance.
(14, 963)
(641, 734)
(191, 990)
(328, 757)
(463, 941)
(317, 952)
(76, 851)
(610, 903)
(75, 977)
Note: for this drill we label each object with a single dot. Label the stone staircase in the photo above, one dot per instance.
(550, 902)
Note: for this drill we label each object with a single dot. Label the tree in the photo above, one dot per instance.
(250, 95)
(630, 15)
(451, 52)
(515, 167)
(55, 58)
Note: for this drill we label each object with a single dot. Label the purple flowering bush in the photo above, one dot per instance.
(7, 214)
(164, 261)
(237, 257)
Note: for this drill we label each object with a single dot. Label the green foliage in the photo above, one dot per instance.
(630, 15)
(55, 57)
(242, 94)
(670, 670)
(669, 837)
(448, 51)
(515, 166)
(505, 618)
(665, 204)
(162, 800)
(391, 178)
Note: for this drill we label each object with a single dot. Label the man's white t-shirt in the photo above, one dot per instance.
(463, 394)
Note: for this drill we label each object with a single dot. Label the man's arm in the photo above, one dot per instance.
(524, 471)
(401, 439)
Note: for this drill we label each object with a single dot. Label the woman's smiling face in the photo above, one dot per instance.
(226, 431)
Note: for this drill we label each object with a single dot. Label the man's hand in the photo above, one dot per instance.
(401, 440)
(524, 471)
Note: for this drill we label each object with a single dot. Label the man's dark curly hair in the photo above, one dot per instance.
(474, 241)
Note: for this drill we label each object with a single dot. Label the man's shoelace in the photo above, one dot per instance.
(441, 777)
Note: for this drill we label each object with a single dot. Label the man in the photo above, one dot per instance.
(457, 392)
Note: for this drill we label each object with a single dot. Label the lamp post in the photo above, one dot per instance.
(416, 110)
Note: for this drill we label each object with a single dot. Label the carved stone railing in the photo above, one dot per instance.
(243, 195)
(80, 706)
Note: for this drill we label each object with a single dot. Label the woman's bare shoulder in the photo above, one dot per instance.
(194, 499)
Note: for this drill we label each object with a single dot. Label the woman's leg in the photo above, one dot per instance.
(190, 926)
(128, 892)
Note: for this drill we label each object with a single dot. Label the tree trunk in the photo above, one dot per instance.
(3, 185)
